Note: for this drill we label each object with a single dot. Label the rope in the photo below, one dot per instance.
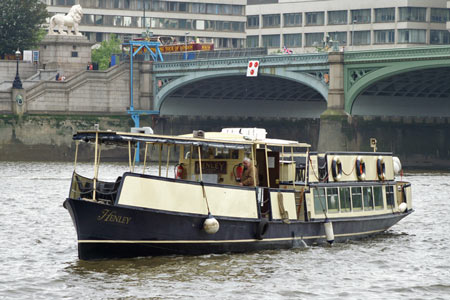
(315, 175)
(204, 196)
(354, 166)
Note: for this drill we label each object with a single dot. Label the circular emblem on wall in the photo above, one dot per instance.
(19, 100)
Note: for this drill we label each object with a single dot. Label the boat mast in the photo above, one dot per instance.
(254, 164)
(168, 158)
(267, 166)
(77, 143)
(96, 161)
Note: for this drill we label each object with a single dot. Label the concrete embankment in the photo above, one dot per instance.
(419, 142)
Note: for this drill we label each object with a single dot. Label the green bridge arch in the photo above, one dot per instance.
(313, 80)
(365, 68)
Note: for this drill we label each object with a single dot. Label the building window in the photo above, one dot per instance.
(252, 41)
(271, 21)
(385, 15)
(198, 8)
(292, 40)
(412, 36)
(74, 53)
(271, 41)
(88, 19)
(98, 20)
(439, 37)
(314, 18)
(439, 15)
(314, 39)
(238, 10)
(414, 14)
(384, 36)
(361, 16)
(252, 21)
(292, 20)
(340, 37)
(337, 17)
(361, 38)
(99, 37)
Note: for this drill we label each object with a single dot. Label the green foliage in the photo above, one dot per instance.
(20, 24)
(103, 54)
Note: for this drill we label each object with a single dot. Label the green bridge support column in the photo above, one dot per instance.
(334, 120)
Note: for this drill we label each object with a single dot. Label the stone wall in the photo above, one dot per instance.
(5, 101)
(8, 70)
(419, 142)
(49, 138)
(67, 54)
(88, 92)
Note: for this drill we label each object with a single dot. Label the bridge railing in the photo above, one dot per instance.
(191, 55)
(242, 61)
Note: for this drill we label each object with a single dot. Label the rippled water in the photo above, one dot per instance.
(38, 252)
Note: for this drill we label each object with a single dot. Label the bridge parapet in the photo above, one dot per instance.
(398, 54)
(241, 62)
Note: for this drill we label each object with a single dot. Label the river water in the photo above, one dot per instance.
(38, 252)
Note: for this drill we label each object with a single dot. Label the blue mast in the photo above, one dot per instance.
(135, 47)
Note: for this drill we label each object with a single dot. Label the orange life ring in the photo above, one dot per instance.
(360, 168)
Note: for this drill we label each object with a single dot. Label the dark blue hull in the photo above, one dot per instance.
(106, 231)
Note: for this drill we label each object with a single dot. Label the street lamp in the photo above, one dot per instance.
(185, 44)
(17, 84)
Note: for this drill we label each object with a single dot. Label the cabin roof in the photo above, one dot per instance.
(211, 139)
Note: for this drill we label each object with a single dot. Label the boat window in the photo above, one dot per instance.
(332, 200)
(378, 197)
(368, 198)
(212, 153)
(319, 200)
(344, 196)
(356, 198)
(390, 196)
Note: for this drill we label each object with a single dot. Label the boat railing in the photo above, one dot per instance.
(83, 188)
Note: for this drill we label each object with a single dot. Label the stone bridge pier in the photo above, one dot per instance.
(334, 118)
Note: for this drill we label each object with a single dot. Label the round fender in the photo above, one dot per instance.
(261, 230)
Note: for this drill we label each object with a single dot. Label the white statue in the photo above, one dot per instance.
(72, 19)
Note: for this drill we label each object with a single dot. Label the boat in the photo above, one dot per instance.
(196, 201)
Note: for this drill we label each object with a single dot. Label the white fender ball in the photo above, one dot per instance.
(211, 225)
(402, 207)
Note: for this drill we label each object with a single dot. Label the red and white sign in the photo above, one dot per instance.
(252, 68)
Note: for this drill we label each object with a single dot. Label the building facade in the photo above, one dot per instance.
(218, 21)
(305, 25)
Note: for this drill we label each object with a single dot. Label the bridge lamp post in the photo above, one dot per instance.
(185, 44)
(17, 84)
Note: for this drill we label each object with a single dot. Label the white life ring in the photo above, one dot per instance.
(336, 168)
(381, 168)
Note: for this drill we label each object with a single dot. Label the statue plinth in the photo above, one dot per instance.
(68, 54)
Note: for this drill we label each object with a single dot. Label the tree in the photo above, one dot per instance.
(102, 55)
(20, 24)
